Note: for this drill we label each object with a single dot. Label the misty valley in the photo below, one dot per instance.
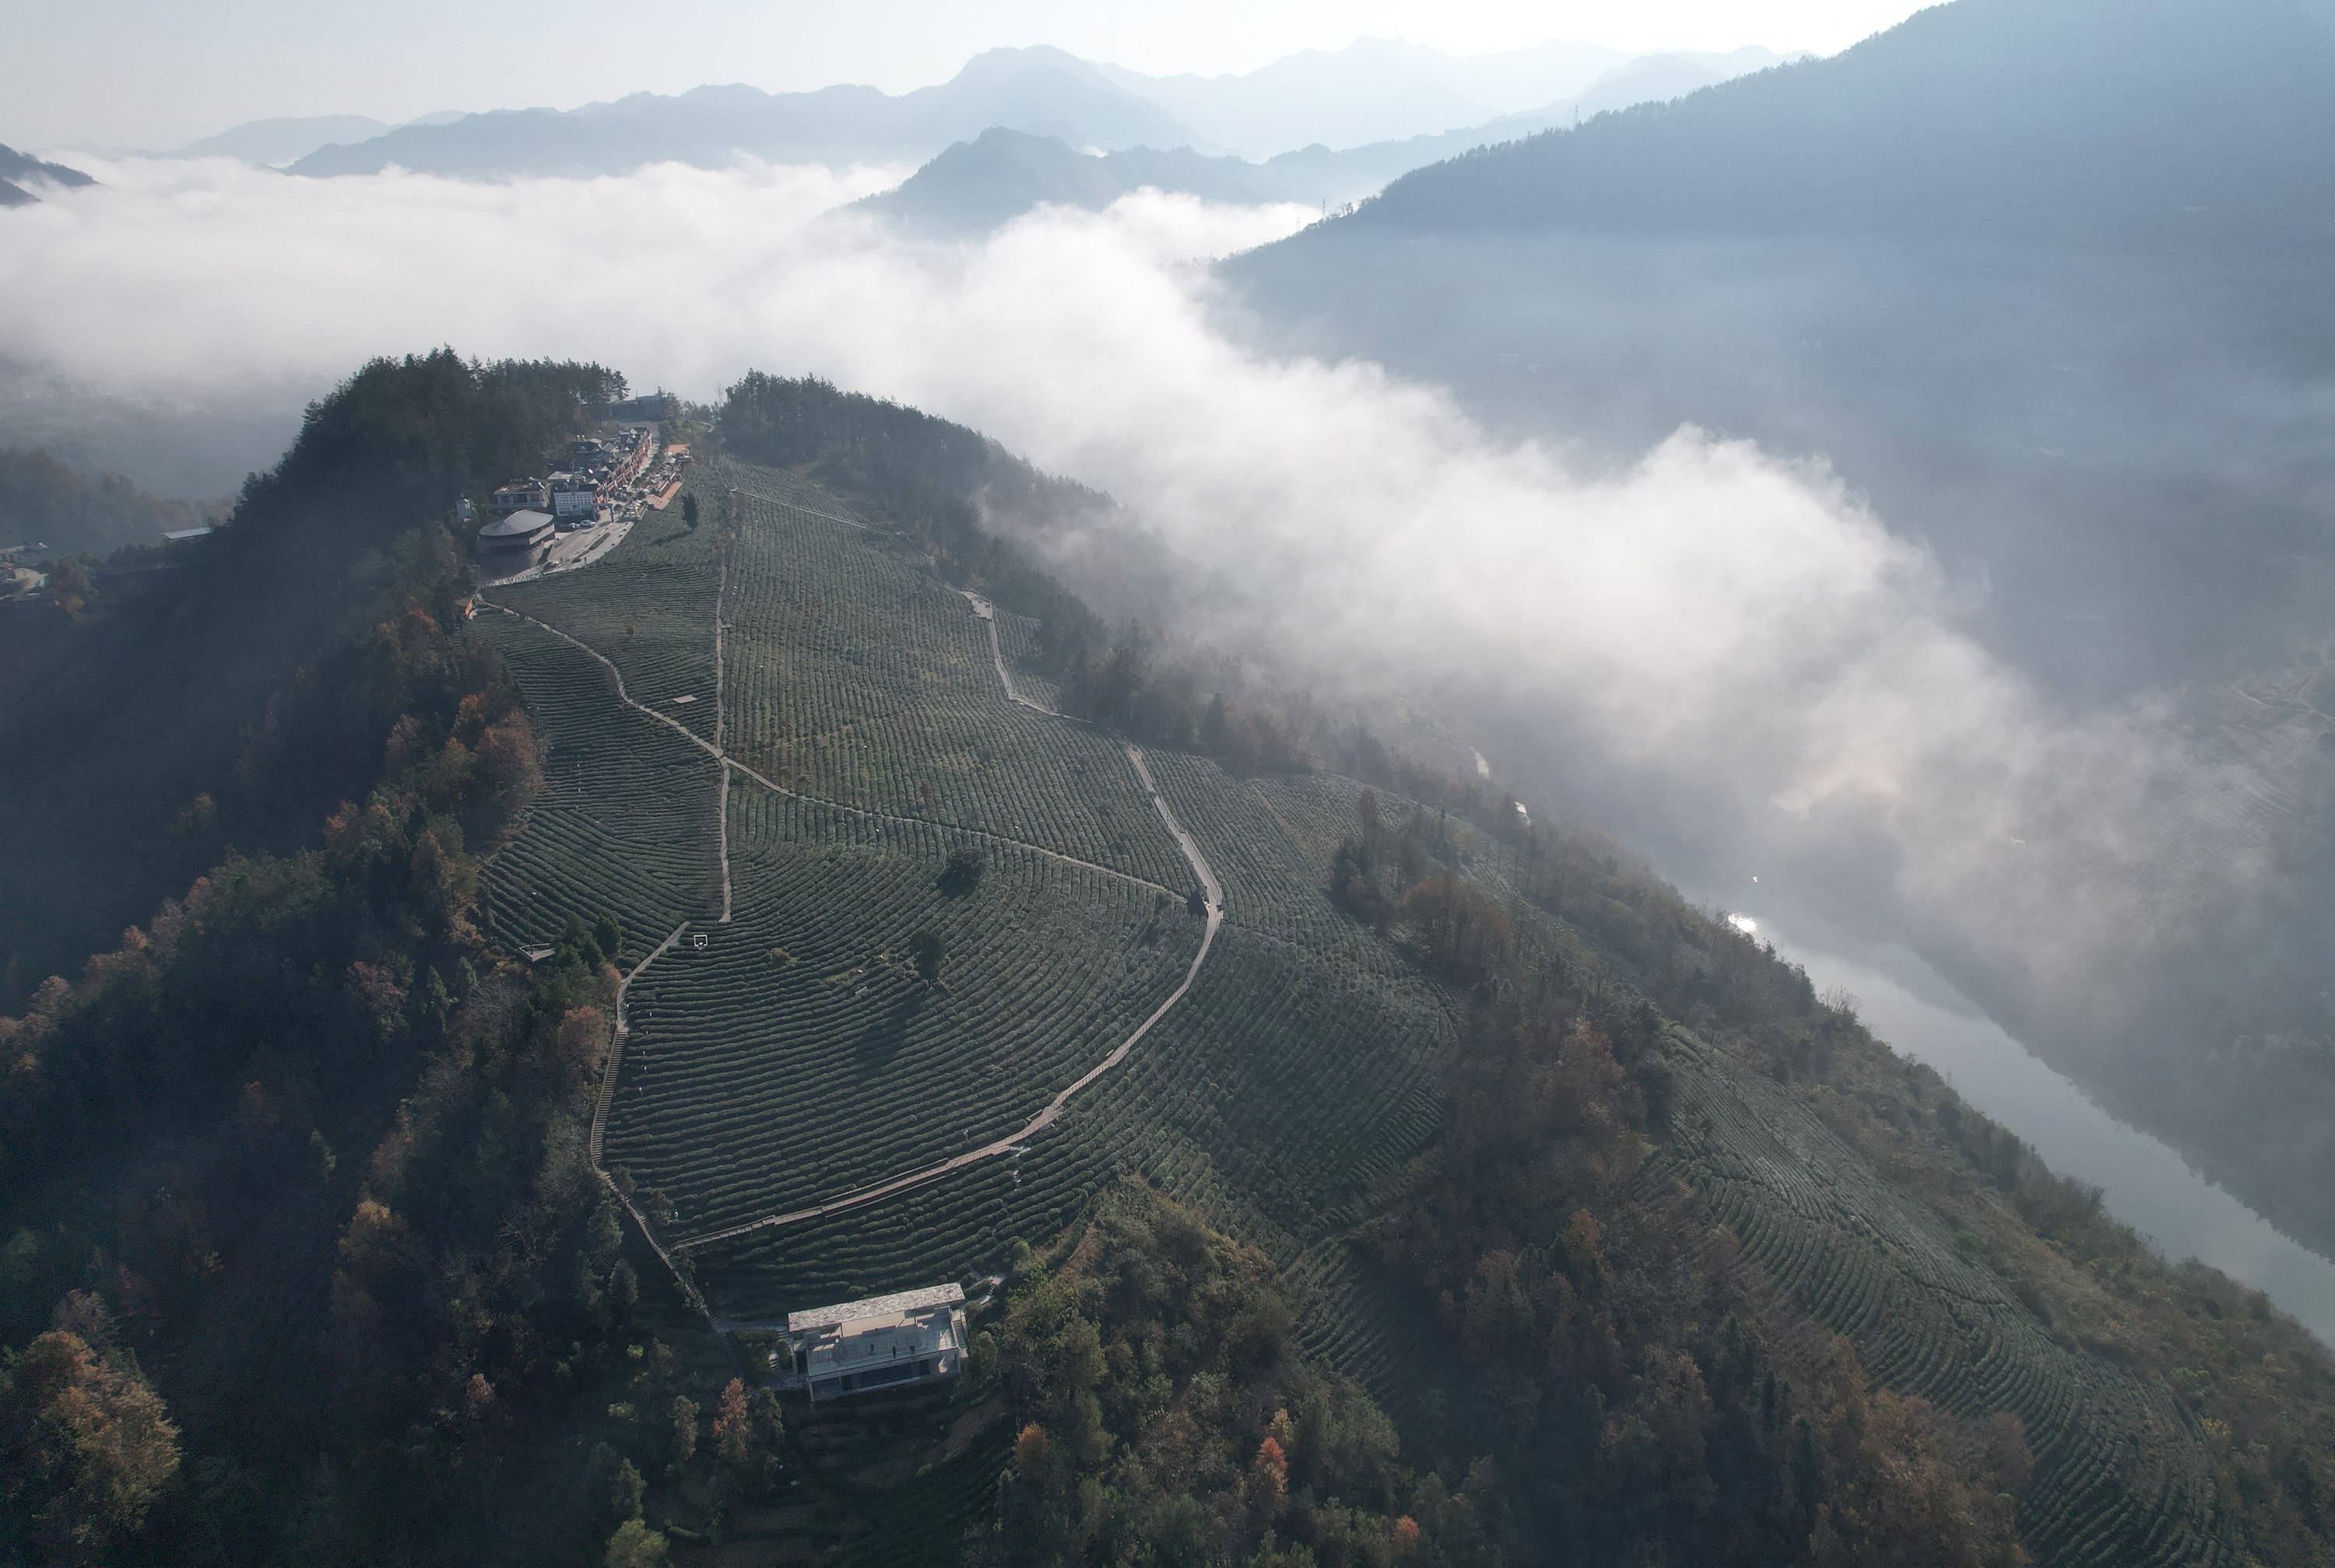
(1423, 805)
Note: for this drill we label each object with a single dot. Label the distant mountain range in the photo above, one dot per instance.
(1373, 91)
(976, 186)
(2006, 238)
(273, 143)
(17, 171)
(1376, 92)
(1995, 117)
(1395, 105)
(1042, 91)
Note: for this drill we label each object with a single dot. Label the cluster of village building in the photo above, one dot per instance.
(607, 479)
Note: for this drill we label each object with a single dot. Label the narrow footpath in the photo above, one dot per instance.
(608, 1096)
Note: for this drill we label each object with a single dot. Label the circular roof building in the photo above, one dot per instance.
(520, 531)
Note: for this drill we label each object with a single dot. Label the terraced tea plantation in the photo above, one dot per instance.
(2122, 1476)
(1272, 1099)
(626, 824)
(649, 609)
(1018, 641)
(796, 1057)
(857, 677)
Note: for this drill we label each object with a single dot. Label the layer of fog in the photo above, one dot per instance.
(1729, 642)
(2118, 449)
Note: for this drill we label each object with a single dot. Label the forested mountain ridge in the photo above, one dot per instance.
(43, 501)
(1482, 1202)
(204, 706)
(2080, 120)
(234, 1347)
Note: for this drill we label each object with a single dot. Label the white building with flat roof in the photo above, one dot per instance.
(914, 1337)
(573, 496)
(521, 496)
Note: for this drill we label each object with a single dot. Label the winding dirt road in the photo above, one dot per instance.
(875, 1192)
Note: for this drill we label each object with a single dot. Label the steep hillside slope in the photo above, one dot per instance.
(188, 710)
(801, 901)
(2036, 278)
(791, 1063)
(2081, 120)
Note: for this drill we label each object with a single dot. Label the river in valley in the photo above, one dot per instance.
(2143, 1181)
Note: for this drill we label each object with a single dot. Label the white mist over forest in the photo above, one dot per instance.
(1731, 639)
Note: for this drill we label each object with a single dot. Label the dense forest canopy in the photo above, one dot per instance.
(210, 705)
(302, 1255)
(43, 501)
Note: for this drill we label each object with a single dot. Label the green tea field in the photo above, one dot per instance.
(1146, 977)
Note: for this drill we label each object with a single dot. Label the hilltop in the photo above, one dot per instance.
(812, 899)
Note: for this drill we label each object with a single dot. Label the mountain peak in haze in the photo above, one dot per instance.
(976, 186)
(18, 170)
(1008, 62)
(1374, 89)
(1041, 90)
(279, 140)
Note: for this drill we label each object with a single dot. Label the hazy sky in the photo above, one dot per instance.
(161, 73)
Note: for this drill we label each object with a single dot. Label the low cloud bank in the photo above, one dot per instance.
(1729, 642)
